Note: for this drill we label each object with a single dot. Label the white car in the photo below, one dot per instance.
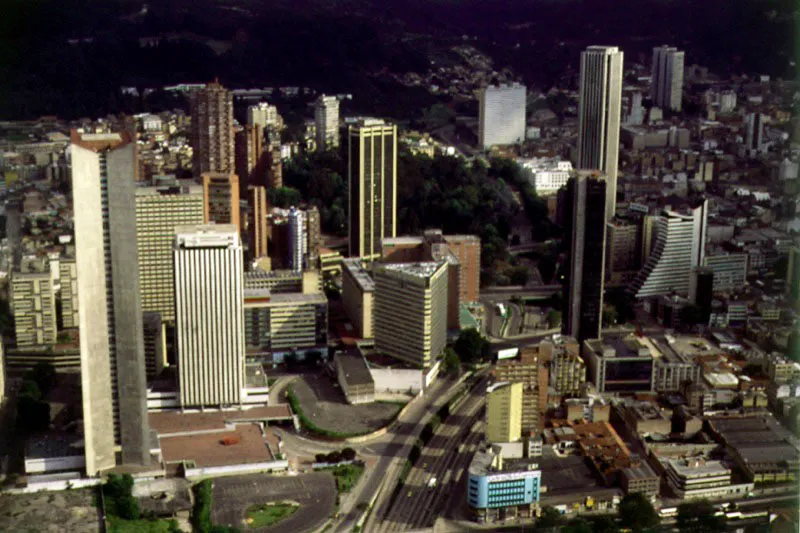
(431, 482)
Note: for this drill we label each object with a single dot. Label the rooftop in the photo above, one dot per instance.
(422, 270)
(357, 271)
(354, 368)
(168, 423)
(244, 444)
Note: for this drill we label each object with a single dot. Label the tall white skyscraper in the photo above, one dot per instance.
(679, 248)
(599, 116)
(209, 312)
(264, 115)
(326, 116)
(501, 118)
(667, 78)
(297, 239)
(113, 378)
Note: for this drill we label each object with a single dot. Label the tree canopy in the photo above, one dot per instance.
(471, 346)
(698, 517)
(637, 513)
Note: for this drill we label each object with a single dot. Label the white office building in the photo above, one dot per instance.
(546, 174)
(264, 115)
(501, 118)
(667, 78)
(679, 247)
(297, 239)
(209, 313)
(730, 270)
(599, 114)
(326, 117)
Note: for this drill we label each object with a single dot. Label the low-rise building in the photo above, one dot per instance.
(567, 369)
(640, 479)
(358, 291)
(354, 378)
(619, 364)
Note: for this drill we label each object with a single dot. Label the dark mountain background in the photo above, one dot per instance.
(70, 57)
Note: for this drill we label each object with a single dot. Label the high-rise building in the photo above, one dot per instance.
(113, 381)
(155, 344)
(793, 274)
(619, 365)
(250, 155)
(159, 210)
(524, 368)
(68, 276)
(730, 270)
(313, 237)
(264, 115)
(326, 117)
(501, 117)
(701, 288)
(221, 195)
(212, 130)
(33, 301)
(586, 233)
(358, 291)
(410, 313)
(679, 247)
(279, 324)
(504, 412)
(372, 178)
(667, 78)
(297, 239)
(599, 116)
(274, 168)
(623, 251)
(754, 132)
(209, 313)
(259, 225)
(567, 369)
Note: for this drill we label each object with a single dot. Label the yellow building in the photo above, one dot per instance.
(34, 304)
(358, 291)
(504, 412)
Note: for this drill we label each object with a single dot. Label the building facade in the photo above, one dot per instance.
(276, 324)
(372, 178)
(212, 130)
(498, 490)
(504, 412)
(209, 312)
(221, 197)
(358, 292)
(525, 368)
(33, 300)
(410, 313)
(667, 78)
(259, 224)
(110, 314)
(159, 210)
(501, 117)
(326, 118)
(567, 369)
(297, 239)
(599, 114)
(620, 365)
(730, 270)
(68, 276)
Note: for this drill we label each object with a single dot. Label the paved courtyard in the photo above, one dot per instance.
(324, 403)
(44, 512)
(316, 494)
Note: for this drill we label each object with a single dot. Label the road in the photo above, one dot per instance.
(417, 505)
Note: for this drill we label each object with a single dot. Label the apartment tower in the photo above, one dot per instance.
(209, 311)
(221, 196)
(113, 380)
(212, 130)
(372, 178)
(599, 116)
(501, 116)
(504, 412)
(667, 78)
(259, 225)
(326, 118)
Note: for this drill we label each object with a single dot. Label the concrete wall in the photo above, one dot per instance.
(54, 464)
(397, 380)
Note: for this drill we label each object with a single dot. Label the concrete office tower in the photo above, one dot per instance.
(667, 78)
(313, 237)
(754, 133)
(250, 156)
(221, 195)
(33, 301)
(586, 230)
(209, 311)
(358, 292)
(410, 315)
(599, 116)
(159, 210)
(113, 379)
(264, 115)
(326, 118)
(68, 274)
(501, 117)
(623, 251)
(297, 239)
(524, 368)
(504, 412)
(730, 270)
(679, 247)
(372, 178)
(259, 225)
(212, 130)
(567, 369)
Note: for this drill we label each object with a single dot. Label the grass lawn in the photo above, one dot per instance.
(346, 476)
(265, 515)
(118, 525)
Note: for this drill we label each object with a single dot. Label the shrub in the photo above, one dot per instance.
(348, 454)
(201, 513)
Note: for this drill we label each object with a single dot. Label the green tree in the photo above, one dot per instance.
(549, 518)
(118, 497)
(201, 512)
(44, 374)
(519, 275)
(451, 363)
(637, 513)
(553, 318)
(348, 454)
(604, 524)
(284, 197)
(698, 517)
(577, 525)
(471, 346)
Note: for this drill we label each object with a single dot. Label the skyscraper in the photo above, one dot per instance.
(209, 311)
(504, 412)
(313, 237)
(754, 133)
(297, 239)
(250, 155)
(112, 351)
(586, 233)
(212, 130)
(221, 194)
(372, 178)
(679, 247)
(264, 115)
(501, 117)
(525, 368)
(159, 210)
(599, 116)
(326, 117)
(667, 78)
(259, 225)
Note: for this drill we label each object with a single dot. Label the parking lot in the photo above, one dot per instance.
(316, 494)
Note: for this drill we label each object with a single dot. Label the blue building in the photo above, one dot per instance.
(497, 490)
